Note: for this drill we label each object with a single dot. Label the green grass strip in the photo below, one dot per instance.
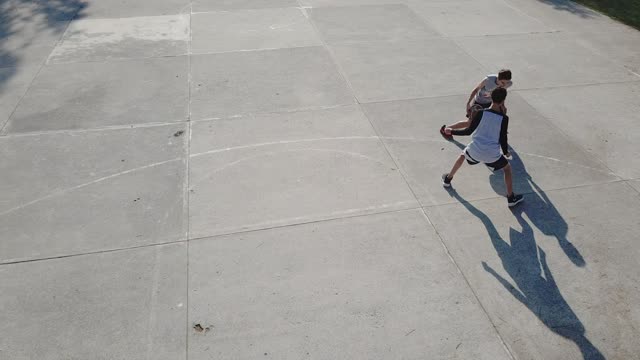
(626, 11)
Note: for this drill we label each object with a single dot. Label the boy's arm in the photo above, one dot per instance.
(472, 127)
(503, 135)
(474, 92)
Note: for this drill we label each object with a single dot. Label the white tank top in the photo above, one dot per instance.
(489, 84)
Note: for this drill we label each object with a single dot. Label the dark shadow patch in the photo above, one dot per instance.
(532, 282)
(539, 208)
(21, 21)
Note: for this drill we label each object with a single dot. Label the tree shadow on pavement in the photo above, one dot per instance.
(21, 21)
(571, 7)
(533, 283)
(29, 29)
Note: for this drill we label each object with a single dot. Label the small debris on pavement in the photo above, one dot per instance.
(198, 328)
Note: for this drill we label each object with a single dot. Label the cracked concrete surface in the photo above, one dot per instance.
(261, 179)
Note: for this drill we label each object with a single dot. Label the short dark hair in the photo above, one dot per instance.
(498, 95)
(504, 74)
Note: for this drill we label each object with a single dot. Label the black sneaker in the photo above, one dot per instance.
(514, 200)
(446, 181)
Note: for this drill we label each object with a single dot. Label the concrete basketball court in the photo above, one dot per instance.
(260, 179)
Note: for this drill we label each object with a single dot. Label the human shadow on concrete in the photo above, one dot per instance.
(533, 283)
(540, 209)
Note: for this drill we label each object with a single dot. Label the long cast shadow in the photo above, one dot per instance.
(540, 209)
(533, 283)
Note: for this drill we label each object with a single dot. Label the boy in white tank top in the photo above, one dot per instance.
(480, 98)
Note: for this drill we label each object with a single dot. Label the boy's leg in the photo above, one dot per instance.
(447, 177)
(456, 166)
(503, 164)
(508, 179)
(512, 199)
(466, 123)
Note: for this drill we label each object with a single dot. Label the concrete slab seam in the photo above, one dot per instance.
(521, 12)
(153, 293)
(282, 111)
(487, 71)
(186, 241)
(404, 177)
(270, 153)
(501, 35)
(95, 129)
(42, 65)
(568, 139)
(97, 252)
(190, 184)
(594, 52)
(187, 9)
(64, 191)
(304, 10)
(119, 59)
(552, 87)
(187, 151)
(353, 214)
(466, 280)
(253, 50)
(452, 38)
(311, 108)
(284, 142)
(347, 214)
(514, 90)
(153, 124)
(244, 9)
(525, 193)
(334, 59)
(186, 212)
(629, 185)
(187, 197)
